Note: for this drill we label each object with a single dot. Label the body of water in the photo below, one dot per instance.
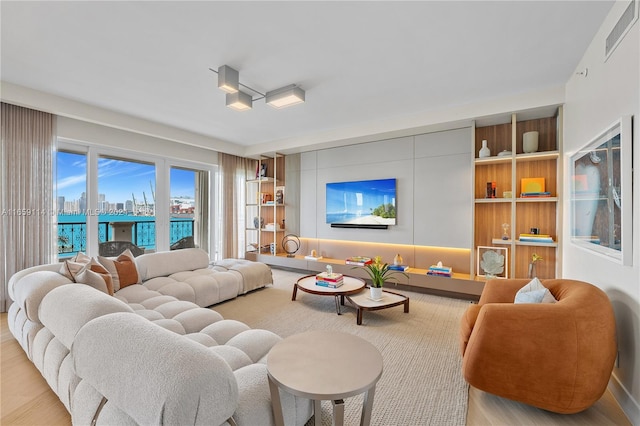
(72, 230)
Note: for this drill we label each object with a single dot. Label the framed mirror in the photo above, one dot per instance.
(601, 193)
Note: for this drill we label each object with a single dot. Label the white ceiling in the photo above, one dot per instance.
(362, 64)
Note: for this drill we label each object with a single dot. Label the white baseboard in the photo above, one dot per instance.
(629, 405)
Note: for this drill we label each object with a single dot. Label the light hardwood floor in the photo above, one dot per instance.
(26, 399)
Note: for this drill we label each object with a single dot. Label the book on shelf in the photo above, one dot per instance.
(440, 270)
(329, 284)
(358, 261)
(439, 274)
(331, 277)
(401, 268)
(536, 238)
(535, 194)
(309, 257)
(531, 185)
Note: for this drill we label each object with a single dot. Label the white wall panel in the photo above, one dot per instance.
(366, 153)
(442, 211)
(308, 204)
(433, 191)
(449, 142)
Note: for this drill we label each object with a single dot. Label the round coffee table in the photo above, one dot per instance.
(324, 365)
(351, 285)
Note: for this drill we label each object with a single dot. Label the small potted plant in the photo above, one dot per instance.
(379, 273)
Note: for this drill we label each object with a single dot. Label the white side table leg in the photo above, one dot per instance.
(317, 412)
(367, 406)
(338, 412)
(275, 403)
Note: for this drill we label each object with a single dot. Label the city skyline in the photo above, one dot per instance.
(118, 180)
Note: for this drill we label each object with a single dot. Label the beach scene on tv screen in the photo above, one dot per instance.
(368, 202)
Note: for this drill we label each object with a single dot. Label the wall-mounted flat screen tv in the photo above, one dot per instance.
(362, 204)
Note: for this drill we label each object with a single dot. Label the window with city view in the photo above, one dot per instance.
(125, 203)
(71, 186)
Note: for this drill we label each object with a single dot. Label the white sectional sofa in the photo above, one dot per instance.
(151, 353)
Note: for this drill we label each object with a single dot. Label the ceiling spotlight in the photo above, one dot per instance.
(228, 79)
(239, 101)
(285, 96)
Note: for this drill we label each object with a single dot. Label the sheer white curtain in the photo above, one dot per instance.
(27, 196)
(201, 225)
(233, 174)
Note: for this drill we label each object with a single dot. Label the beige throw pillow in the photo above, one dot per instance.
(71, 267)
(84, 270)
(122, 269)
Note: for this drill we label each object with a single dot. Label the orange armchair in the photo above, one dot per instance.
(557, 357)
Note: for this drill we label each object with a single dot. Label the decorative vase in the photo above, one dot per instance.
(397, 260)
(530, 142)
(532, 270)
(376, 293)
(484, 151)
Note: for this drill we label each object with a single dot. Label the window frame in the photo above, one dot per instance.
(162, 184)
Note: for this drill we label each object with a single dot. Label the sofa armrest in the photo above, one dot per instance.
(467, 323)
(152, 374)
(501, 291)
(66, 309)
(30, 290)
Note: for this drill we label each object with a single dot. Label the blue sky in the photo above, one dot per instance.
(117, 179)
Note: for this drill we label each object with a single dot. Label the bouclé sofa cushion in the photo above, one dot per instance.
(162, 264)
(172, 380)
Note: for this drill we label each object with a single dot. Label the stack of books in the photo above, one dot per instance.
(401, 268)
(440, 271)
(536, 238)
(331, 280)
(358, 261)
(535, 194)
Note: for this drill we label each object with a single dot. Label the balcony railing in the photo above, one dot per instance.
(72, 237)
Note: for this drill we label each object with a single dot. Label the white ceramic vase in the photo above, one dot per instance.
(530, 142)
(484, 151)
(376, 293)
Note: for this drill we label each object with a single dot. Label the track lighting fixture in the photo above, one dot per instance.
(229, 82)
(284, 97)
(228, 79)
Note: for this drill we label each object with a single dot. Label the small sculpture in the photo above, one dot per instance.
(505, 231)
(492, 263)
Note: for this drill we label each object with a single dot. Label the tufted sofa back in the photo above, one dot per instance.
(165, 263)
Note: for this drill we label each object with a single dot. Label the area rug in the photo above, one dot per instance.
(421, 383)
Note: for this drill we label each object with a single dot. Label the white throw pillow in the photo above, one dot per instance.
(534, 292)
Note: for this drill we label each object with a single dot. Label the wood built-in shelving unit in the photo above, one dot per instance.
(521, 214)
(265, 205)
